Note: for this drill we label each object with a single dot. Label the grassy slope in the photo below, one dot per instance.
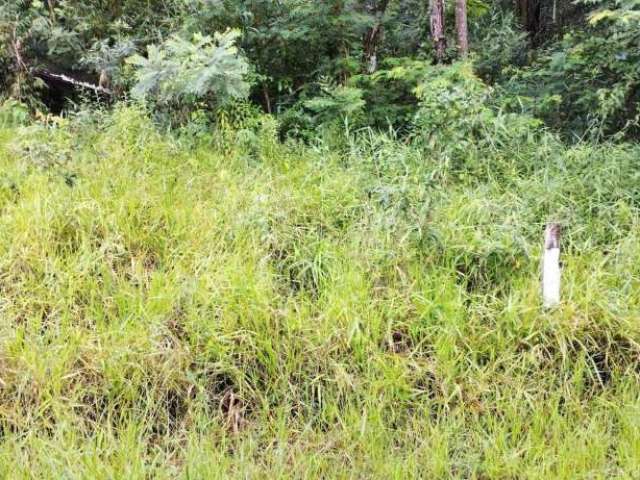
(295, 312)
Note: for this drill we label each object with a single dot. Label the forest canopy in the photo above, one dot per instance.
(571, 64)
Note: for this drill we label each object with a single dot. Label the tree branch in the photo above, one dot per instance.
(45, 74)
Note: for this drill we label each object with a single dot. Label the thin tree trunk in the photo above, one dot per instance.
(267, 99)
(371, 48)
(529, 13)
(462, 27)
(374, 34)
(52, 5)
(437, 29)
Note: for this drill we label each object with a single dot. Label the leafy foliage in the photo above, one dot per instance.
(571, 64)
(12, 114)
(390, 92)
(624, 11)
(181, 71)
(586, 82)
(337, 103)
(77, 38)
(504, 46)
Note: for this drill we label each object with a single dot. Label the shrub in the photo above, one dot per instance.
(13, 113)
(183, 72)
(459, 113)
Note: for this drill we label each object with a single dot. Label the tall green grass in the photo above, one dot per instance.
(369, 310)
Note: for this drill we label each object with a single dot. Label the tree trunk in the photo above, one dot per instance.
(437, 29)
(267, 98)
(461, 27)
(529, 13)
(371, 39)
(52, 6)
(374, 34)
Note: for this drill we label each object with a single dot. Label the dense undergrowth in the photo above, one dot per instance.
(363, 308)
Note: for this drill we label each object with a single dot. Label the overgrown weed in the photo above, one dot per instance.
(238, 309)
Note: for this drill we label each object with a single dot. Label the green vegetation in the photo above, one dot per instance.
(572, 64)
(303, 239)
(221, 308)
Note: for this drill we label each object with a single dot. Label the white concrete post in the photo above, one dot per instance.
(551, 266)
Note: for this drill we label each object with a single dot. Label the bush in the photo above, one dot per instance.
(390, 93)
(460, 114)
(504, 46)
(585, 83)
(13, 114)
(181, 73)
